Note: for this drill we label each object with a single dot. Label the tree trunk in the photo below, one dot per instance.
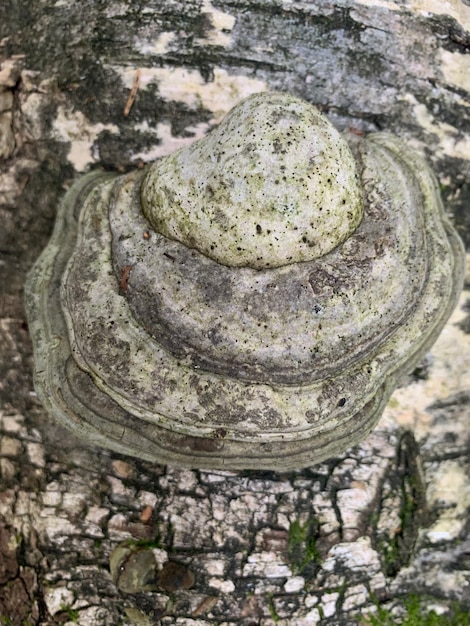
(383, 527)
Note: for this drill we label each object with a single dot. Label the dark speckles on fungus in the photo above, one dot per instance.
(288, 277)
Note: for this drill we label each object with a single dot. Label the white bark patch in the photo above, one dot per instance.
(385, 4)
(57, 599)
(74, 127)
(189, 87)
(36, 454)
(456, 68)
(354, 556)
(294, 584)
(454, 8)
(161, 45)
(10, 447)
(449, 140)
(12, 423)
(355, 597)
(167, 142)
(7, 137)
(222, 24)
(225, 586)
(267, 564)
(329, 601)
(450, 491)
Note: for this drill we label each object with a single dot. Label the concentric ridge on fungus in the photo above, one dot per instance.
(250, 301)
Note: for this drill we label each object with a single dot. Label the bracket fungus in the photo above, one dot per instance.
(249, 301)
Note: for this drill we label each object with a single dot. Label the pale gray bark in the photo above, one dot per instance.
(318, 546)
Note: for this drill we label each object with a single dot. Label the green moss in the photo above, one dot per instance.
(390, 550)
(72, 614)
(303, 550)
(416, 615)
(144, 543)
(10, 621)
(397, 546)
(272, 610)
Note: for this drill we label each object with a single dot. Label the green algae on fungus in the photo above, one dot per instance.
(250, 301)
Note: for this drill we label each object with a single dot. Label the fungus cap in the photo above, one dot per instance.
(156, 336)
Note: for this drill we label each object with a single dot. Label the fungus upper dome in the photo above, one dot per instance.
(271, 185)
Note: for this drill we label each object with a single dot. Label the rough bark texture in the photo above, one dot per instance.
(324, 545)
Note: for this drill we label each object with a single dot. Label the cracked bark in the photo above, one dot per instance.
(318, 546)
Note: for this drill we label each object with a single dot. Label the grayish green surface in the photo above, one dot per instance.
(273, 184)
(154, 349)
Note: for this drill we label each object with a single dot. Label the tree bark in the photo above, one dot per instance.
(325, 545)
